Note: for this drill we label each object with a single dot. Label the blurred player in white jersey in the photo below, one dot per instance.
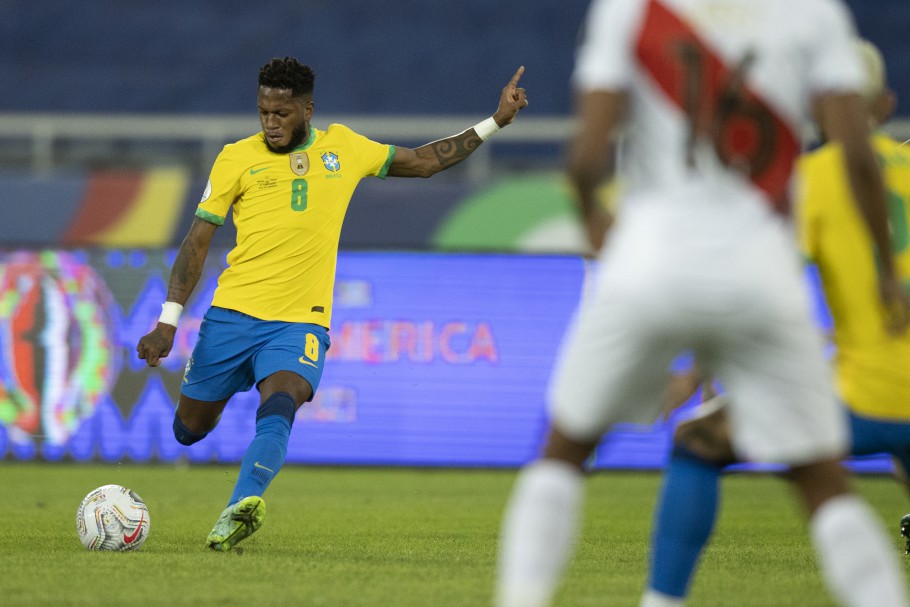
(872, 364)
(712, 97)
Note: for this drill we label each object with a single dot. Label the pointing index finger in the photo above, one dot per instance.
(514, 81)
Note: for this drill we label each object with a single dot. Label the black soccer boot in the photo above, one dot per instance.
(905, 531)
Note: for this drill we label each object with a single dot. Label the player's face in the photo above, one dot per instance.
(285, 119)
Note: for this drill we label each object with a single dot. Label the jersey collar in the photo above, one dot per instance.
(309, 141)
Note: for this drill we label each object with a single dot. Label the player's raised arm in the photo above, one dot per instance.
(429, 159)
(184, 275)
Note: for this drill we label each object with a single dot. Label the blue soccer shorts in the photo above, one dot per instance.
(872, 436)
(236, 351)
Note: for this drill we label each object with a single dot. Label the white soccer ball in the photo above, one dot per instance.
(112, 518)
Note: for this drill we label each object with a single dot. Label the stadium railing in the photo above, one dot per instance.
(46, 142)
(43, 143)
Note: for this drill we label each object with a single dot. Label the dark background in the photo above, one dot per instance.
(403, 57)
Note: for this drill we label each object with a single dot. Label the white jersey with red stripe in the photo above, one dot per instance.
(702, 256)
(678, 59)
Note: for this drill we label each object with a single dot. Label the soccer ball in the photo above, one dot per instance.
(112, 518)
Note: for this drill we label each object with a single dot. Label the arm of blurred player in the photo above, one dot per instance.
(844, 119)
(184, 275)
(429, 159)
(599, 113)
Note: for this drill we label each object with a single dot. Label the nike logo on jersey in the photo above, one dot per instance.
(258, 465)
(254, 171)
(129, 539)
(304, 361)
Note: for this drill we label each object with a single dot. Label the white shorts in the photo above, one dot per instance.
(741, 306)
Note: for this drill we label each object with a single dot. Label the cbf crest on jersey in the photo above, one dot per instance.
(300, 163)
(330, 160)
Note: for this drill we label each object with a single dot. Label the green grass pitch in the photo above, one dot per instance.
(379, 537)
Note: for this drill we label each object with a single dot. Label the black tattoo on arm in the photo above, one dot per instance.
(184, 275)
(453, 150)
(187, 268)
(430, 158)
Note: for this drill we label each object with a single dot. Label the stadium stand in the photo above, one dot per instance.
(147, 66)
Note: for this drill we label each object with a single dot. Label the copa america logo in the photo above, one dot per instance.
(56, 344)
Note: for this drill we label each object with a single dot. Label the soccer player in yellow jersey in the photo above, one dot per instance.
(872, 361)
(288, 188)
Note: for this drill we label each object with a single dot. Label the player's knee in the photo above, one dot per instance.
(281, 404)
(705, 440)
(184, 435)
(560, 446)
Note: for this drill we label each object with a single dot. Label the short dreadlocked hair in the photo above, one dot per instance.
(287, 73)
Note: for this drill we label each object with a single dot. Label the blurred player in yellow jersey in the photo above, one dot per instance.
(288, 188)
(872, 361)
(870, 376)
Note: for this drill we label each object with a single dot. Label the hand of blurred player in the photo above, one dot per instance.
(680, 388)
(897, 305)
(157, 344)
(512, 100)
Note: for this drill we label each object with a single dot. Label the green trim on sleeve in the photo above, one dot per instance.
(209, 217)
(388, 163)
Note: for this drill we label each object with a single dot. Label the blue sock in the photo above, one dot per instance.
(266, 453)
(184, 435)
(683, 521)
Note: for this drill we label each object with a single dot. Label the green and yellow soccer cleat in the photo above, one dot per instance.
(236, 523)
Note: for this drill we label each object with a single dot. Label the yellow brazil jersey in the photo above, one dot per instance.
(872, 367)
(288, 210)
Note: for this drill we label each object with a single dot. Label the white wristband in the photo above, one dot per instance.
(486, 128)
(170, 313)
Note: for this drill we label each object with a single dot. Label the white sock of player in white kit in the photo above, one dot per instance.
(538, 533)
(652, 598)
(857, 560)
